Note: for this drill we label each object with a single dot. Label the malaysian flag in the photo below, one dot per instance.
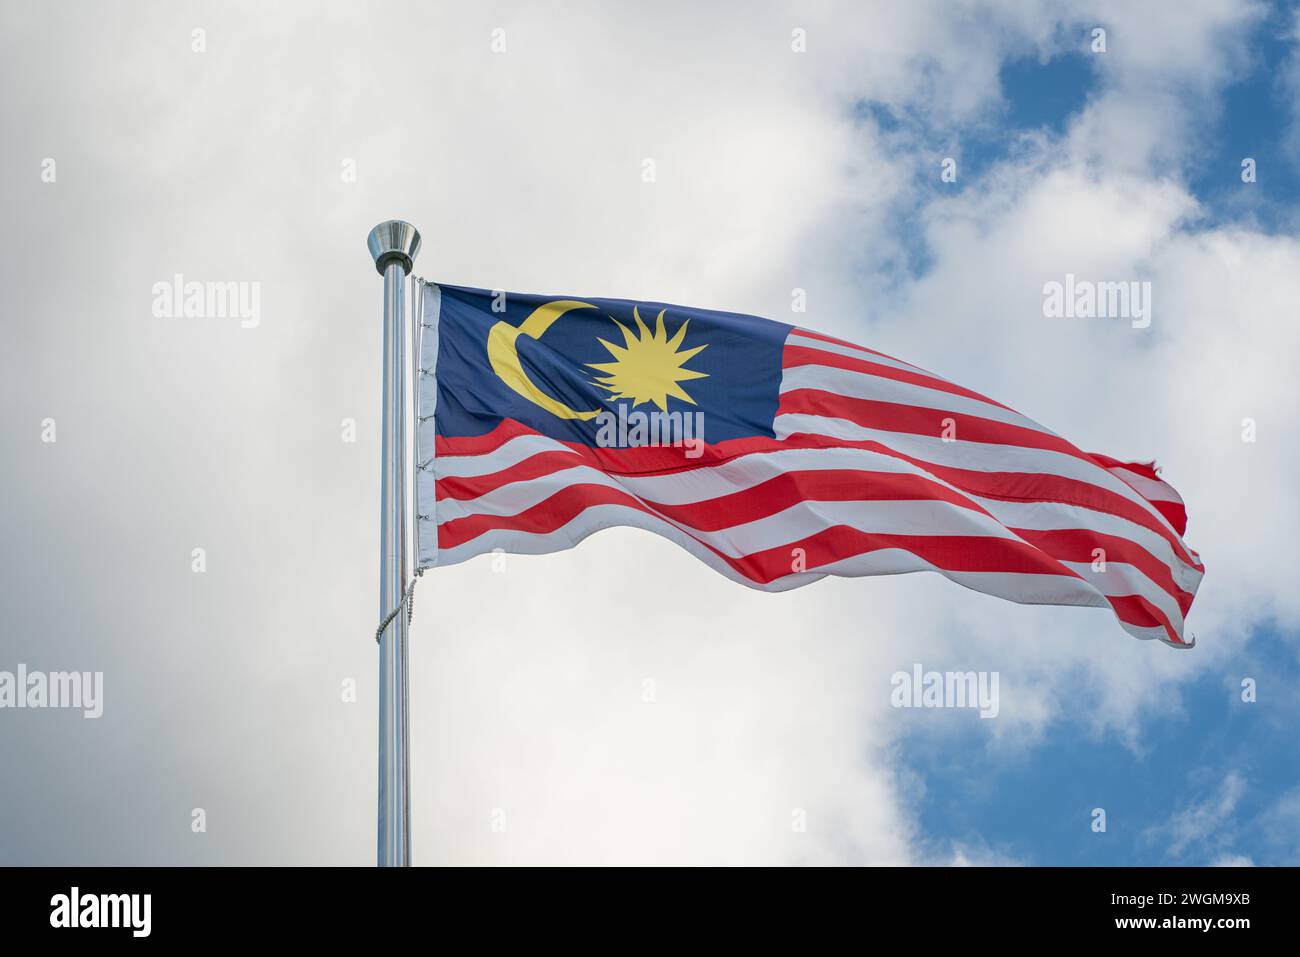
(774, 454)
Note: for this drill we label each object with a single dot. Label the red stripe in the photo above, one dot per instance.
(912, 420)
(950, 553)
(1174, 511)
(1038, 487)
(915, 420)
(1175, 514)
(821, 485)
(954, 553)
(642, 460)
(1136, 610)
(807, 355)
(544, 517)
(464, 487)
(1077, 545)
(507, 429)
(1145, 469)
(808, 334)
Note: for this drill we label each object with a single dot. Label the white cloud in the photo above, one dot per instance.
(1206, 824)
(1233, 860)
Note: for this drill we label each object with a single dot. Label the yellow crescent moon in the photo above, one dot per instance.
(503, 353)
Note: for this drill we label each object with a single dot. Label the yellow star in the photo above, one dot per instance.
(648, 367)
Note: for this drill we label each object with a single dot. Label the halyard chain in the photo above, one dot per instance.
(408, 599)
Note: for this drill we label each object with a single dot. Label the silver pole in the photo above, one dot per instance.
(394, 246)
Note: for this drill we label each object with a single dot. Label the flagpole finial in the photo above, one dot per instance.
(394, 241)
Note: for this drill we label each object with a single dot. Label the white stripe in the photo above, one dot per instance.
(974, 456)
(426, 439)
(864, 385)
(713, 481)
(797, 338)
(591, 520)
(1120, 579)
(1150, 489)
(1057, 516)
(511, 452)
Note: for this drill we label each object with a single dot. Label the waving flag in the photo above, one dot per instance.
(774, 454)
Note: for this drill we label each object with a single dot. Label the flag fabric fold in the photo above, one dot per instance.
(774, 454)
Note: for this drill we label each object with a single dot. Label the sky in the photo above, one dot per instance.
(620, 703)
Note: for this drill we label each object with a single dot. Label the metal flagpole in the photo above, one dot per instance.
(394, 246)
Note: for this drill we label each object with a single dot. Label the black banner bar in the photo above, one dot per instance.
(332, 906)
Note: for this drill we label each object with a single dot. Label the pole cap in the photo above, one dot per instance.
(394, 240)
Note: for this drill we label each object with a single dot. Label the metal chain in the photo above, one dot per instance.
(408, 599)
